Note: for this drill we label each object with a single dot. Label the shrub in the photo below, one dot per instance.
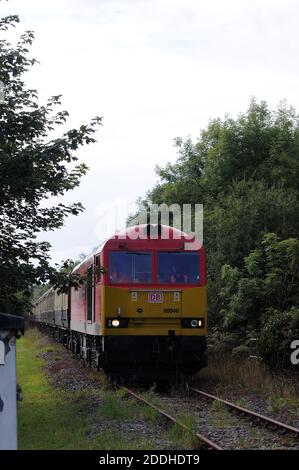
(278, 332)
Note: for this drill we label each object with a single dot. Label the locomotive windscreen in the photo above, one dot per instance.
(130, 267)
(178, 268)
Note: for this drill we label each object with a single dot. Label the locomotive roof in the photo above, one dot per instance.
(143, 229)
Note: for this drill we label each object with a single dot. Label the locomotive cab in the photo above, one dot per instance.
(154, 306)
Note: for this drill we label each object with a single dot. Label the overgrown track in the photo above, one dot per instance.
(257, 418)
(206, 443)
(203, 442)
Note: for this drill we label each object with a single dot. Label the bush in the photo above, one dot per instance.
(241, 351)
(276, 336)
(262, 299)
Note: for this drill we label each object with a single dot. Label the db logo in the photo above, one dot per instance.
(155, 297)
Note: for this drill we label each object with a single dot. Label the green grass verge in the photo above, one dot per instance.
(53, 418)
(48, 418)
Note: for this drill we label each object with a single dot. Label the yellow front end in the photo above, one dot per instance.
(154, 334)
(154, 312)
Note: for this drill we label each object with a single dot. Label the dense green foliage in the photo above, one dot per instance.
(263, 297)
(246, 173)
(33, 168)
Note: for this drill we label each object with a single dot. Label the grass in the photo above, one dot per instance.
(114, 405)
(242, 443)
(114, 440)
(48, 418)
(220, 416)
(218, 407)
(53, 418)
(149, 414)
(247, 376)
(47, 349)
(285, 407)
(184, 438)
(288, 441)
(181, 437)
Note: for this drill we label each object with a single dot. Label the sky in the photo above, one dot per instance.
(154, 70)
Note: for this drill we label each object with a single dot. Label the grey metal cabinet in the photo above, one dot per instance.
(10, 325)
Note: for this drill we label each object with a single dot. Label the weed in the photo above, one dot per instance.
(226, 373)
(277, 404)
(182, 437)
(114, 405)
(149, 414)
(151, 396)
(218, 407)
(47, 349)
(220, 416)
(282, 405)
(242, 443)
(288, 441)
(115, 440)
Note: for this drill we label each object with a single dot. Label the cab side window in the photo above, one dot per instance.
(98, 273)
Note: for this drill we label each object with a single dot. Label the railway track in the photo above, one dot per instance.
(218, 442)
(257, 418)
(203, 442)
(206, 442)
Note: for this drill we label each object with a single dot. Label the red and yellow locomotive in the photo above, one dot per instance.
(145, 315)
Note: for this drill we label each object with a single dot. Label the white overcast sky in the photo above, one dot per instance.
(155, 70)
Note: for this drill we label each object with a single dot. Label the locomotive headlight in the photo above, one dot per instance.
(193, 322)
(115, 323)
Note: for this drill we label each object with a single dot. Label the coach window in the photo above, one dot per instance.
(178, 268)
(135, 268)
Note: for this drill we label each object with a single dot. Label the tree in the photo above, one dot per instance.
(269, 280)
(33, 168)
(276, 336)
(261, 299)
(245, 171)
(260, 144)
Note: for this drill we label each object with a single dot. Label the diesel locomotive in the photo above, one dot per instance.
(141, 311)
